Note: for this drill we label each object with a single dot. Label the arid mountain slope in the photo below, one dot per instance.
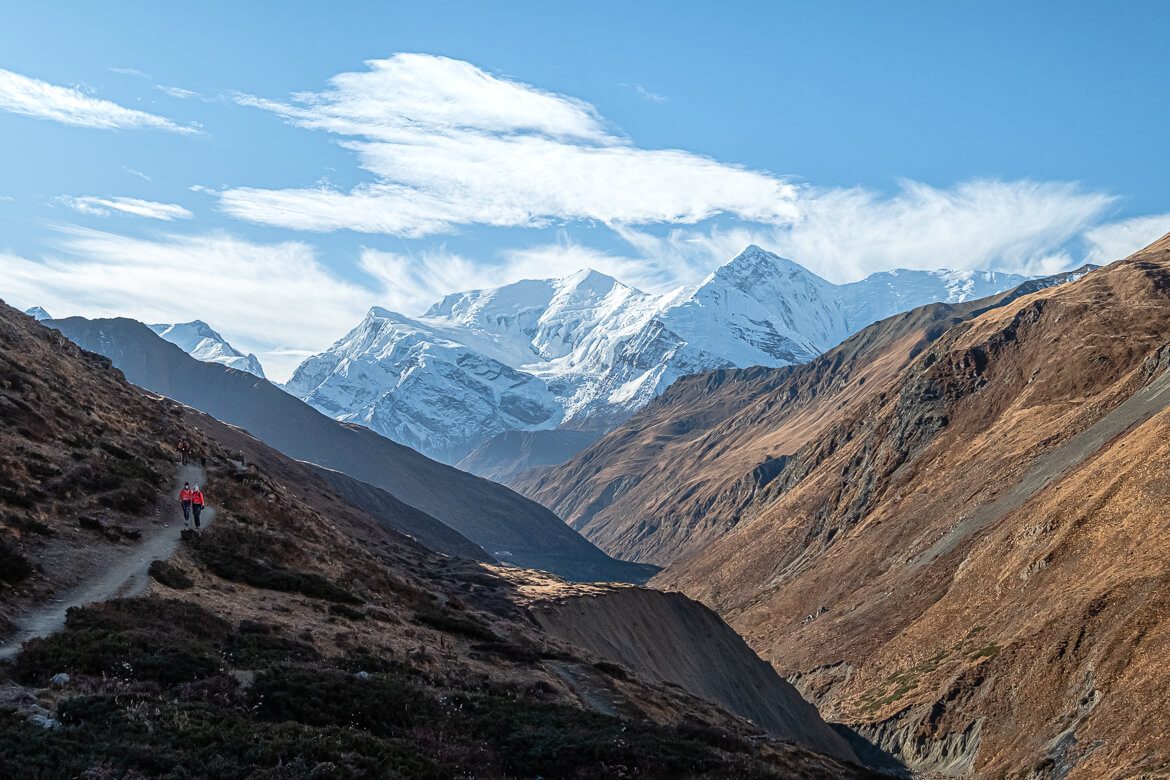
(969, 566)
(672, 639)
(684, 471)
(401, 517)
(508, 526)
(298, 636)
(507, 454)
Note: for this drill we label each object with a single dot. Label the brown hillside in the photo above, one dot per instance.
(688, 468)
(297, 636)
(969, 565)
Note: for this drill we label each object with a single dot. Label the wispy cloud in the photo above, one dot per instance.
(648, 94)
(32, 97)
(177, 92)
(129, 72)
(1117, 240)
(135, 172)
(845, 234)
(108, 206)
(277, 300)
(412, 283)
(450, 144)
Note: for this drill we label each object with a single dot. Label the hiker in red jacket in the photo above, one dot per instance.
(185, 496)
(197, 503)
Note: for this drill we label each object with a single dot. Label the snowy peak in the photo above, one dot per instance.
(202, 342)
(38, 314)
(585, 351)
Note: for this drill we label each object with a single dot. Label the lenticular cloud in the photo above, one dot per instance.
(449, 144)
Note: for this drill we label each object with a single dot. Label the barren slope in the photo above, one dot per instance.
(685, 470)
(300, 637)
(970, 565)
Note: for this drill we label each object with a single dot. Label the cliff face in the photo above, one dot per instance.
(671, 639)
(969, 565)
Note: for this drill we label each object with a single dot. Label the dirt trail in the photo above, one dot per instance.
(124, 572)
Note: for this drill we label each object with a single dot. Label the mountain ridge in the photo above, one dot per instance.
(202, 342)
(585, 351)
(509, 527)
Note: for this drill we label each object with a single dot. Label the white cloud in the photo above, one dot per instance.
(845, 234)
(67, 105)
(1117, 240)
(649, 95)
(177, 92)
(130, 72)
(135, 172)
(105, 207)
(412, 283)
(450, 144)
(277, 300)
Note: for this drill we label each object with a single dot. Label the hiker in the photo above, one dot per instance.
(196, 503)
(184, 448)
(185, 497)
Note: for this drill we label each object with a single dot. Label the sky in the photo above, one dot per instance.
(275, 169)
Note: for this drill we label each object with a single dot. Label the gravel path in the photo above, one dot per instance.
(124, 572)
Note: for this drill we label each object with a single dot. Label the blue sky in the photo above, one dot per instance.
(275, 168)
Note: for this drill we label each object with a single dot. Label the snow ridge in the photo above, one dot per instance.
(201, 342)
(587, 351)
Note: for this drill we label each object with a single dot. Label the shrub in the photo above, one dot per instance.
(170, 575)
(453, 624)
(234, 566)
(341, 610)
(160, 640)
(14, 567)
(384, 703)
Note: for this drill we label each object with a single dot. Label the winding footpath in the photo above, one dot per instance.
(126, 575)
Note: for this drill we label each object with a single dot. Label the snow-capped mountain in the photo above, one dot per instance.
(38, 314)
(201, 342)
(586, 351)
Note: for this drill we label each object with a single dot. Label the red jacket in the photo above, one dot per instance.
(185, 495)
(197, 497)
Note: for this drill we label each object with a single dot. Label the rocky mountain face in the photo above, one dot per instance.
(299, 635)
(38, 314)
(201, 342)
(956, 546)
(586, 351)
(509, 527)
(683, 471)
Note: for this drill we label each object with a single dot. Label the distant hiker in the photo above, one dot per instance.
(184, 450)
(196, 503)
(186, 496)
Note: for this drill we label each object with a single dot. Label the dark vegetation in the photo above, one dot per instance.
(234, 555)
(14, 567)
(455, 624)
(170, 575)
(166, 706)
